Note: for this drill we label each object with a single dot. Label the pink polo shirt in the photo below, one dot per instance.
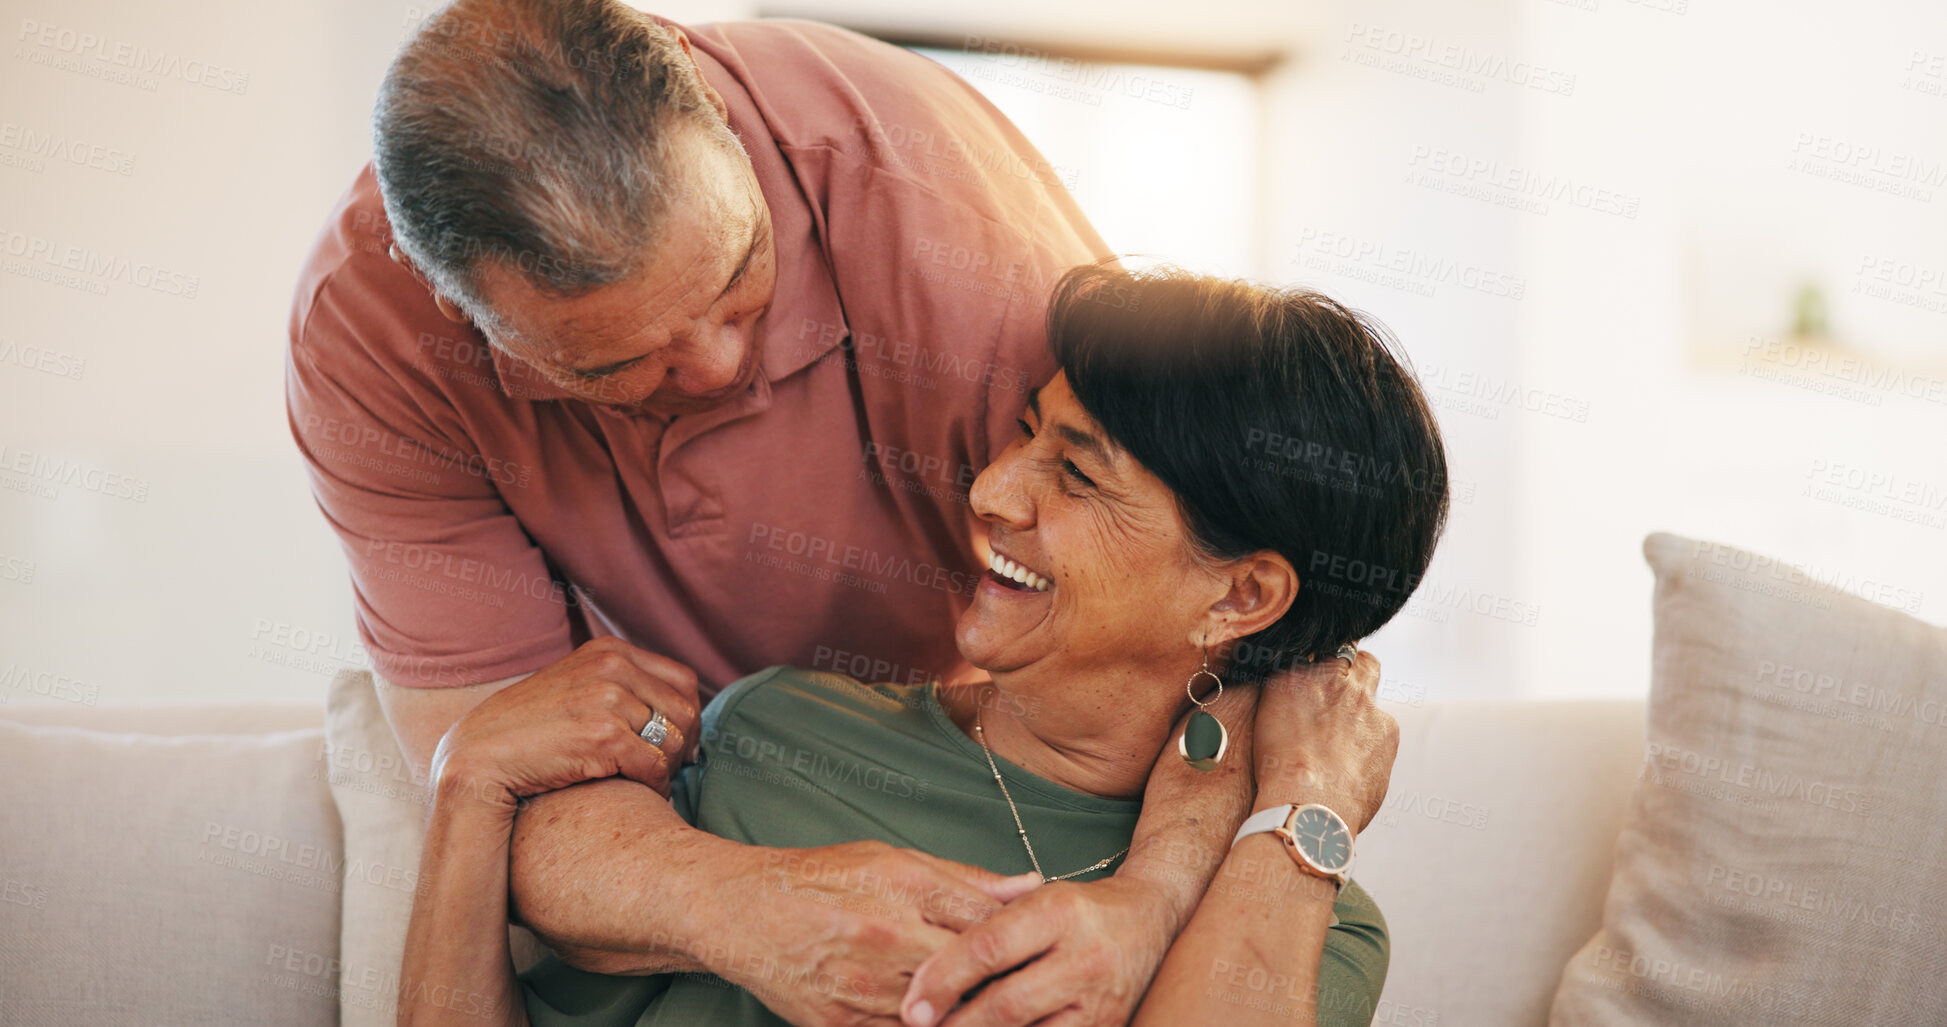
(819, 519)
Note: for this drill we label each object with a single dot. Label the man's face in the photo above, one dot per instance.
(683, 334)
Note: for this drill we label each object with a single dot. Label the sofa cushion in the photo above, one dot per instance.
(147, 880)
(1491, 852)
(230, 719)
(382, 806)
(382, 810)
(1780, 861)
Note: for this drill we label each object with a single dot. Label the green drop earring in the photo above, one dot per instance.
(1204, 740)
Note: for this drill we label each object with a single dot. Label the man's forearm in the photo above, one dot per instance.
(605, 872)
(1187, 822)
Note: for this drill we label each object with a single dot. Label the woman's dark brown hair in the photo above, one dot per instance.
(1282, 421)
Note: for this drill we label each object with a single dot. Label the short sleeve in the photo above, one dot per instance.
(1352, 971)
(450, 590)
(559, 995)
(686, 790)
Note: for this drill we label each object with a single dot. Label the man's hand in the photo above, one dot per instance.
(577, 720)
(1089, 951)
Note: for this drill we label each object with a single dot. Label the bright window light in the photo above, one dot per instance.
(1163, 160)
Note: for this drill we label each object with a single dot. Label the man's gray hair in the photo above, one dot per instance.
(536, 135)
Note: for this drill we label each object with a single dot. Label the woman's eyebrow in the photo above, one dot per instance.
(1088, 443)
(1076, 437)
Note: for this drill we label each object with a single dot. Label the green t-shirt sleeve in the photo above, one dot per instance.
(1352, 972)
(682, 791)
(687, 787)
(558, 995)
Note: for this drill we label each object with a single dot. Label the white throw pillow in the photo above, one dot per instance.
(383, 809)
(146, 880)
(1784, 857)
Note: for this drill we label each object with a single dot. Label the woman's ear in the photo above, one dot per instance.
(1262, 588)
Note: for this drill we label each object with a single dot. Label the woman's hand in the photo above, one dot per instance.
(1321, 737)
(575, 720)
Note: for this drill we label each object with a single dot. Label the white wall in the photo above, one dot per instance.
(211, 576)
(1690, 120)
(1715, 116)
(1344, 138)
(1708, 123)
(157, 593)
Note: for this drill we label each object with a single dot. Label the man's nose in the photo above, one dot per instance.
(711, 356)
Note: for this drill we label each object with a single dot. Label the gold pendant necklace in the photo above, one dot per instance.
(1021, 830)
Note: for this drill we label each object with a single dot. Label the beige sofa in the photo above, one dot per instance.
(177, 865)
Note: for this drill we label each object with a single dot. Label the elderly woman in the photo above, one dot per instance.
(1165, 534)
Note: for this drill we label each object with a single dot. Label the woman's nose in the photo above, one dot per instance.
(999, 494)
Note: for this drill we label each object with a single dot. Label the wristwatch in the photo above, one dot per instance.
(1318, 839)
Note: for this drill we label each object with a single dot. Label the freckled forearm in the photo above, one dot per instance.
(1251, 953)
(456, 968)
(595, 869)
(1188, 819)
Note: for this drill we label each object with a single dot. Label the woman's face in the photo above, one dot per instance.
(1111, 576)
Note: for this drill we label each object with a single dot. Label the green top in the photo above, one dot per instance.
(797, 759)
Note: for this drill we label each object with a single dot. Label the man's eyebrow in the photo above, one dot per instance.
(750, 254)
(604, 370)
(1034, 403)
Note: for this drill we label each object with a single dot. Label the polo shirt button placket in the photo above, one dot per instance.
(693, 508)
(694, 498)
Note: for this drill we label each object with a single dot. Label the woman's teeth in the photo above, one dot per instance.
(1014, 572)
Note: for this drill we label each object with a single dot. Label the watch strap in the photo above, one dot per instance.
(1268, 820)
(1262, 821)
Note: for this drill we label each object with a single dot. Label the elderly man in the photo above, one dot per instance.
(690, 342)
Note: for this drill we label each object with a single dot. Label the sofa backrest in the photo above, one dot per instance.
(1491, 856)
(148, 879)
(196, 877)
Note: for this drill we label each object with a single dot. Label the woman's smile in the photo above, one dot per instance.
(1016, 577)
(1014, 600)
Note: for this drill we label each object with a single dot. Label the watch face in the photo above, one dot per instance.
(1323, 838)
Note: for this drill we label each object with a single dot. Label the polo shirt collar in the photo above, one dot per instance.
(807, 294)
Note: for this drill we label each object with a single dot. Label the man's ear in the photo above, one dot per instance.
(683, 40)
(1262, 588)
(450, 310)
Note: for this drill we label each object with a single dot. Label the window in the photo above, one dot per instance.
(1163, 160)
